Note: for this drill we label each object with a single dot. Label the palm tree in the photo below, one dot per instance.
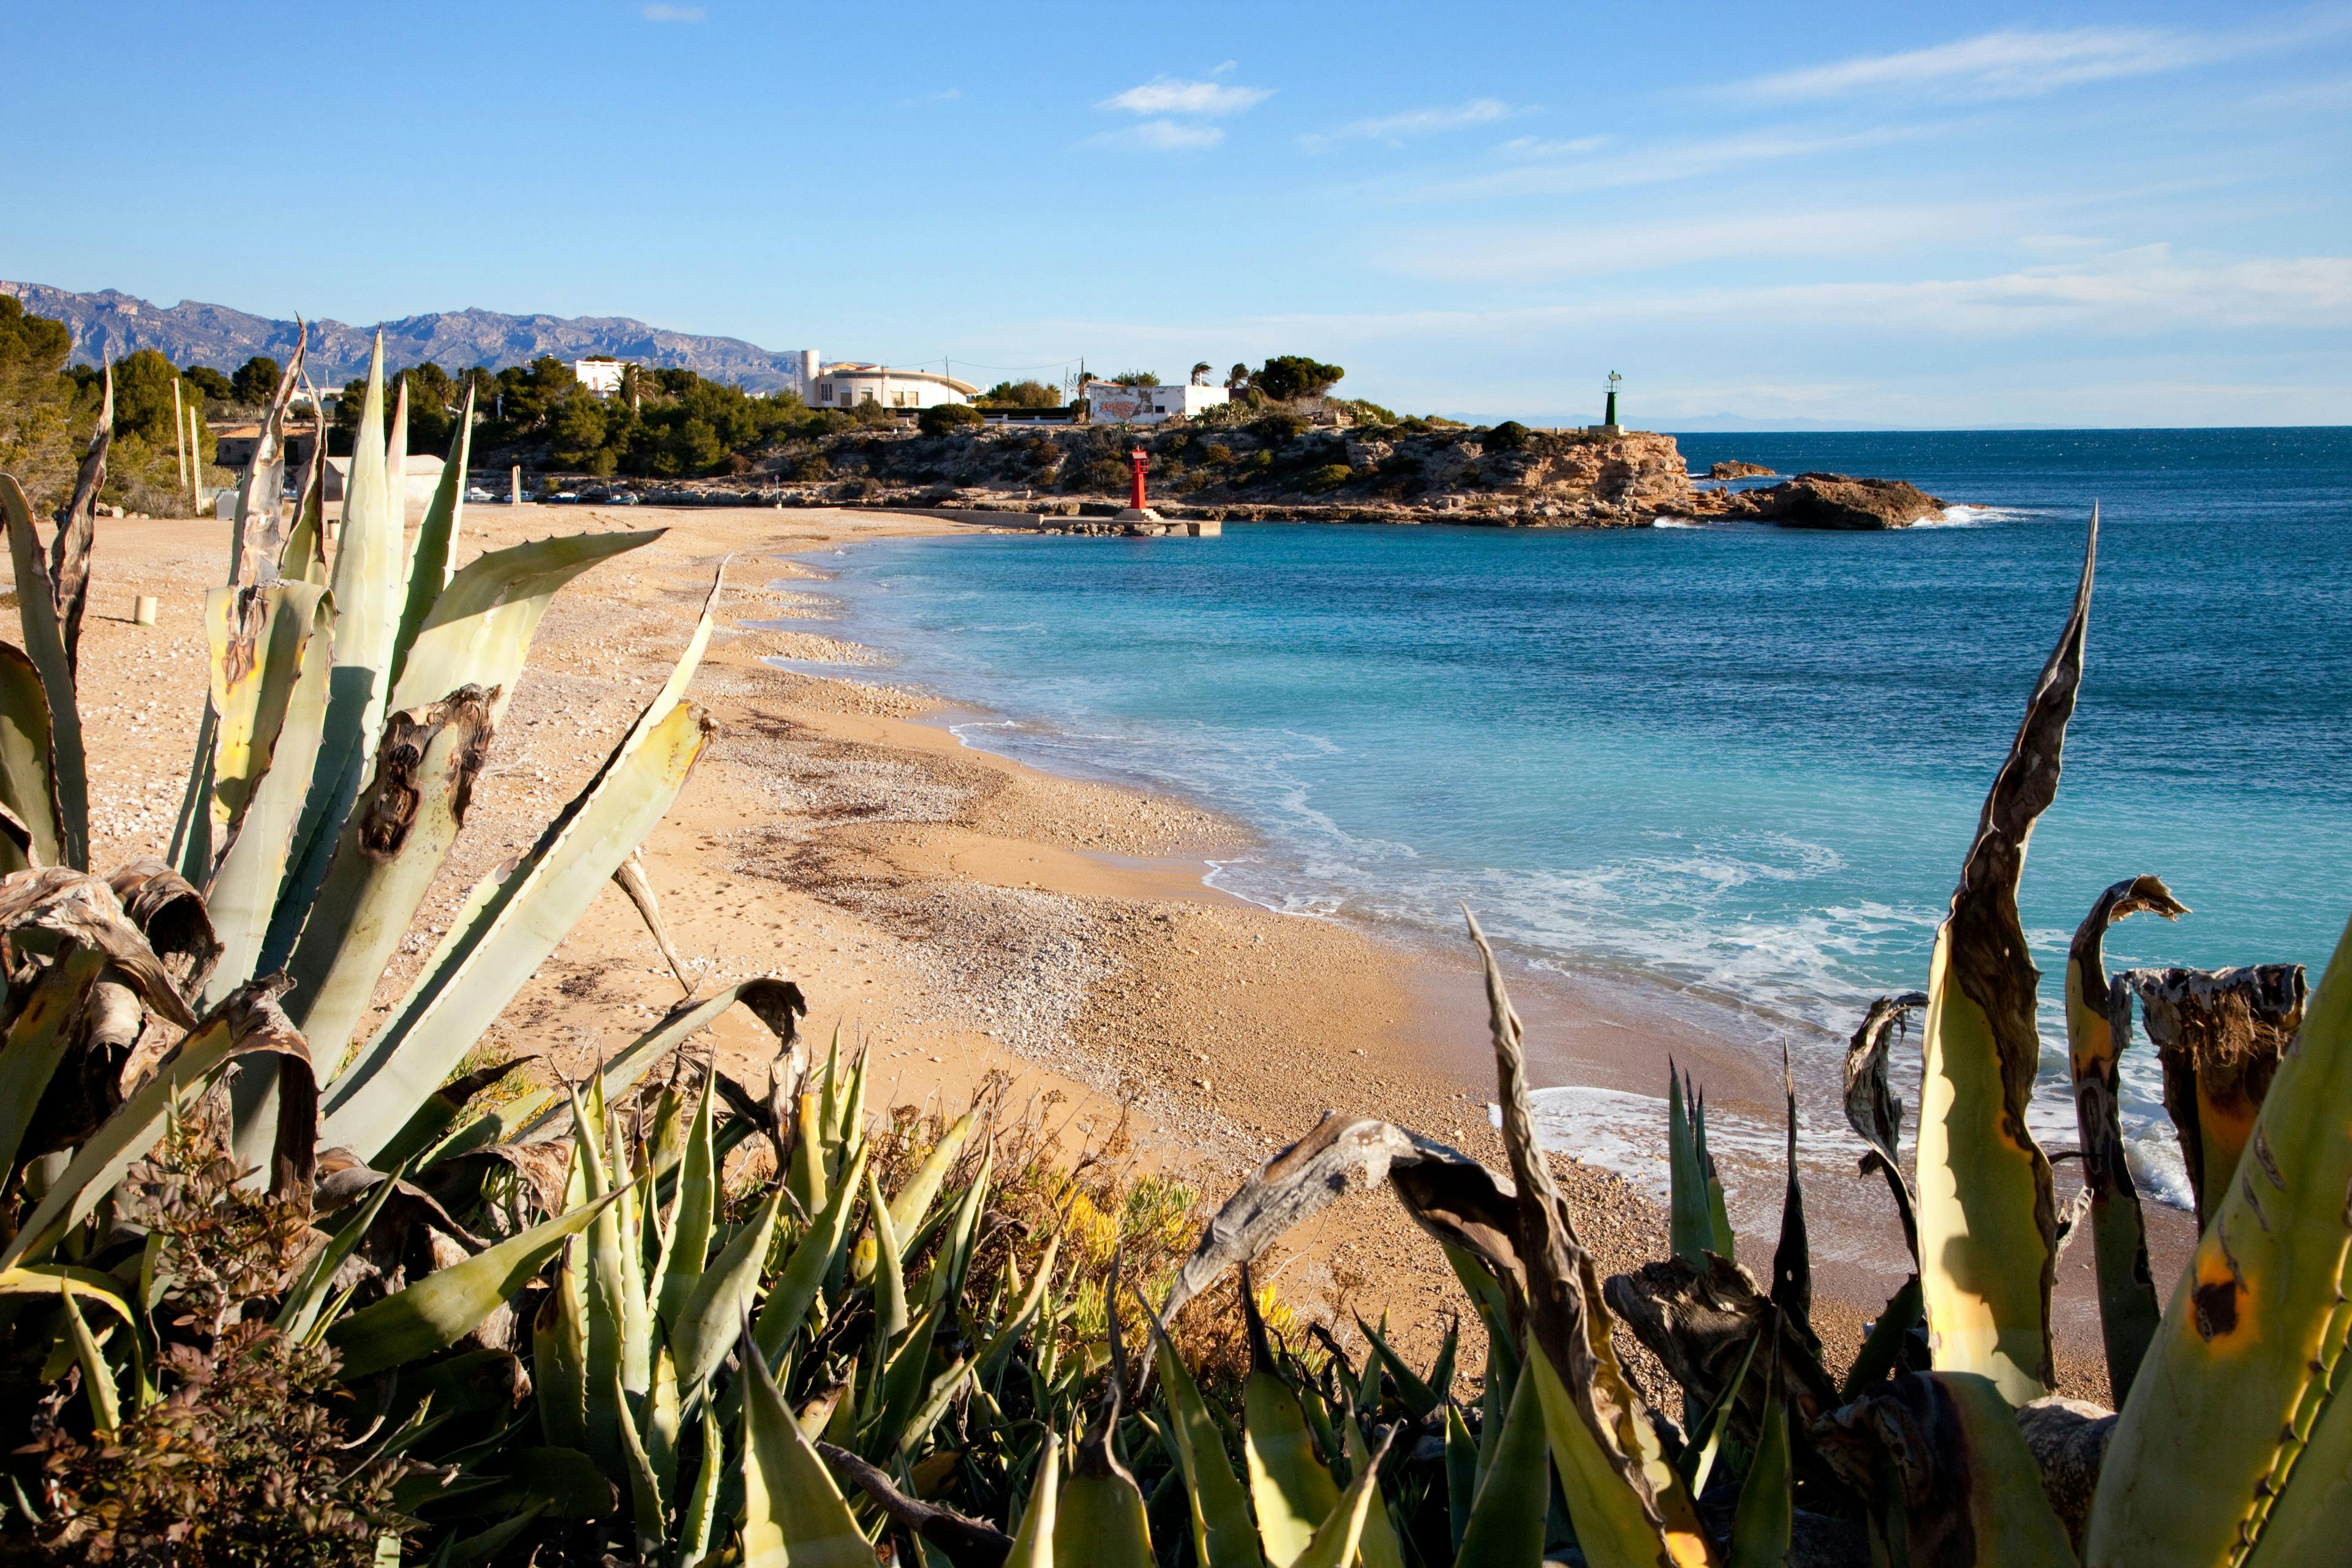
(1237, 378)
(1201, 374)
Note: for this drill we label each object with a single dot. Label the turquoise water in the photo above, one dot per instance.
(1740, 761)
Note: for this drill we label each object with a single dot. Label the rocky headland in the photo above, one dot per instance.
(1281, 466)
(1736, 470)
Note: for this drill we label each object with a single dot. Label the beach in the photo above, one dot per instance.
(961, 915)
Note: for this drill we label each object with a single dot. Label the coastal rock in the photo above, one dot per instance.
(1735, 469)
(1836, 501)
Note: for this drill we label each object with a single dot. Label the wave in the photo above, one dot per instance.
(1963, 516)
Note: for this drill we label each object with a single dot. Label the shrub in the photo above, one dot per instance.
(1287, 376)
(1510, 435)
(1274, 430)
(1220, 455)
(941, 418)
(1330, 477)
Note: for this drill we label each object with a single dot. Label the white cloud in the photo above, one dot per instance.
(1227, 67)
(1166, 95)
(1398, 129)
(1162, 136)
(671, 13)
(1547, 147)
(1562, 168)
(2013, 63)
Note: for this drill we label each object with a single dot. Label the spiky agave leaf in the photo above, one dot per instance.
(44, 643)
(69, 549)
(2219, 1034)
(2095, 1036)
(1629, 1505)
(1505, 1523)
(1987, 1208)
(258, 544)
(1792, 1259)
(2240, 1387)
(28, 784)
(1291, 1489)
(793, 1514)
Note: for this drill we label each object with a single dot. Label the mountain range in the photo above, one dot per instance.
(109, 324)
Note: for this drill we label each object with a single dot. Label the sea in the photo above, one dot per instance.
(1736, 764)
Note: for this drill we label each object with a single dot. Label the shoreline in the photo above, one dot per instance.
(963, 914)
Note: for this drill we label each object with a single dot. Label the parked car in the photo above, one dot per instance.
(476, 492)
(564, 495)
(624, 498)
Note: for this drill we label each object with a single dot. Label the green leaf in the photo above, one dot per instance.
(1293, 1492)
(648, 1511)
(795, 1288)
(559, 1361)
(772, 999)
(1766, 1515)
(1023, 1317)
(714, 1309)
(1987, 1208)
(479, 968)
(1223, 1535)
(1612, 1524)
(437, 539)
(794, 1515)
(1882, 1349)
(44, 642)
(1691, 1226)
(1341, 1534)
(1418, 1397)
(1505, 1525)
(97, 1377)
(298, 1312)
(1380, 1546)
(27, 788)
(687, 1248)
(1032, 1544)
(889, 1279)
(448, 1304)
(702, 1503)
(1101, 1522)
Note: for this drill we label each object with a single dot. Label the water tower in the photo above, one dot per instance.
(1608, 419)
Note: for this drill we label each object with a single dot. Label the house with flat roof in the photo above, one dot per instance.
(599, 373)
(1111, 403)
(847, 385)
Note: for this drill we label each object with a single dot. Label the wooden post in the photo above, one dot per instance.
(195, 464)
(179, 438)
(514, 483)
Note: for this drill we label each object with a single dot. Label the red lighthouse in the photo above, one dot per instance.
(1135, 490)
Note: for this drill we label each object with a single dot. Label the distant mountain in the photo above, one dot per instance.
(110, 325)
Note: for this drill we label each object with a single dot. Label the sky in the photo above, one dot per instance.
(1790, 216)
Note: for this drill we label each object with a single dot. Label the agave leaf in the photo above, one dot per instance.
(1765, 1519)
(946, 1281)
(646, 1511)
(479, 968)
(2219, 1035)
(1691, 1228)
(772, 999)
(1792, 1259)
(44, 642)
(28, 788)
(270, 651)
(805, 1178)
(898, 1389)
(1033, 1545)
(1946, 1475)
(1023, 1317)
(1223, 1535)
(1418, 1397)
(2095, 1036)
(385, 858)
(629, 875)
(1987, 1209)
(97, 1377)
(795, 1288)
(559, 1361)
(1628, 1503)
(1506, 1522)
(794, 1516)
(38, 1040)
(702, 1503)
(707, 1320)
(1870, 1107)
(1719, 1220)
(1101, 1519)
(447, 1305)
(913, 1203)
(696, 1214)
(487, 1544)
(437, 539)
(1700, 1322)
(257, 542)
(1698, 1463)
(298, 1314)
(1461, 1474)
(1342, 1533)
(1881, 1354)
(2236, 1387)
(77, 529)
(1293, 1490)
(1378, 1546)
(245, 1024)
(889, 1279)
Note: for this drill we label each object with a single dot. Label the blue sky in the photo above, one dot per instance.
(1859, 214)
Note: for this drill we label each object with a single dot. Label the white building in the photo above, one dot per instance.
(601, 375)
(1108, 403)
(847, 385)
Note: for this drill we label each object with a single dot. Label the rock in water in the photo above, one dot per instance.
(1837, 500)
(1735, 469)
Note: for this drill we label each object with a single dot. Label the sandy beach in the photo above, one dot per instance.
(962, 915)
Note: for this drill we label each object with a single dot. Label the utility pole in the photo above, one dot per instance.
(180, 440)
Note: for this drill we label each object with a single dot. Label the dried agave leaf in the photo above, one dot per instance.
(1700, 1321)
(1987, 1207)
(76, 533)
(2098, 1027)
(28, 785)
(2220, 1035)
(1871, 1106)
(44, 644)
(259, 541)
